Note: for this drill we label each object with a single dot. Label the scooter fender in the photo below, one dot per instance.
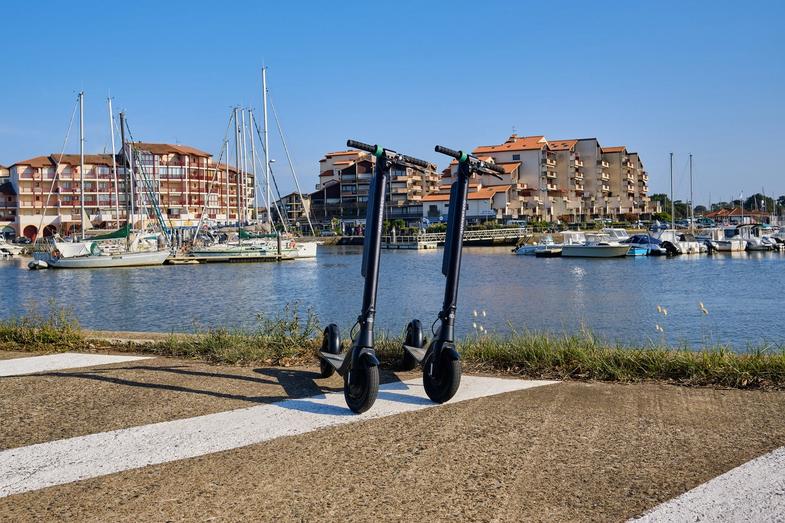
(449, 350)
(367, 358)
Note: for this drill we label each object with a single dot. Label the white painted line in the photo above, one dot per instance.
(65, 360)
(57, 462)
(754, 491)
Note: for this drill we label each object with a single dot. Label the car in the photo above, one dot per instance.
(23, 240)
(328, 232)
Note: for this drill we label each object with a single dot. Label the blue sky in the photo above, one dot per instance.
(700, 77)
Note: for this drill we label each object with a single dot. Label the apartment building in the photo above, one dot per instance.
(294, 208)
(569, 180)
(350, 173)
(184, 181)
(482, 202)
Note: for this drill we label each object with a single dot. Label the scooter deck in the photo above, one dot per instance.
(336, 360)
(417, 352)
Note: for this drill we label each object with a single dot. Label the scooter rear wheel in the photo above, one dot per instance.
(414, 338)
(361, 393)
(331, 343)
(446, 378)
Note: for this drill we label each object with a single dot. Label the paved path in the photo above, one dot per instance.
(754, 491)
(65, 360)
(63, 461)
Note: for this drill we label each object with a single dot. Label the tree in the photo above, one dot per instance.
(759, 202)
(700, 209)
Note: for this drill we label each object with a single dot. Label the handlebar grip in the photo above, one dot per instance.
(494, 168)
(362, 146)
(415, 161)
(449, 152)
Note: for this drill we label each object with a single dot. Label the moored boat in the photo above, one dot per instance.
(595, 246)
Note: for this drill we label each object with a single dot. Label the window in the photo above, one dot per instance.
(516, 157)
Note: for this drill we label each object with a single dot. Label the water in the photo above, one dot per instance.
(615, 298)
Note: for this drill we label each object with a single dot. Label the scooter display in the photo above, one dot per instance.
(359, 366)
(441, 361)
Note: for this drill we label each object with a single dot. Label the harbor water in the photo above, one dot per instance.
(617, 299)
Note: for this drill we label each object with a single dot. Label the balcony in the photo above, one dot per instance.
(644, 177)
(551, 175)
(550, 162)
(630, 177)
(552, 187)
(606, 188)
(605, 176)
(605, 164)
(630, 188)
(577, 163)
(579, 187)
(578, 175)
(629, 165)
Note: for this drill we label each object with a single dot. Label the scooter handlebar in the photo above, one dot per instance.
(449, 152)
(362, 146)
(377, 150)
(476, 163)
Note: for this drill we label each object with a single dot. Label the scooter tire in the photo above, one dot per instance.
(361, 394)
(414, 338)
(446, 379)
(331, 343)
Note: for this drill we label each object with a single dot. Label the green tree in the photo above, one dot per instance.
(759, 202)
(700, 209)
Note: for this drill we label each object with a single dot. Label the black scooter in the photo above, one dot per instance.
(441, 362)
(359, 366)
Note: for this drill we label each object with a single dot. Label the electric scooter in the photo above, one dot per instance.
(359, 366)
(441, 361)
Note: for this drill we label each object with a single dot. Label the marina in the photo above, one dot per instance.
(614, 298)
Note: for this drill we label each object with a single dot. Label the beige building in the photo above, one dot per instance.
(183, 181)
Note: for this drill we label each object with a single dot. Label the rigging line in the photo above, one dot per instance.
(275, 182)
(281, 216)
(150, 197)
(291, 166)
(57, 166)
(215, 174)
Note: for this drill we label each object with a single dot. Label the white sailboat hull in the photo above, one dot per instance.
(130, 259)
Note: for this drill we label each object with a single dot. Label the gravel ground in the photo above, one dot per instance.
(572, 451)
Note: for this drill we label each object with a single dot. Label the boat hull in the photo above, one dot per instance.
(594, 251)
(132, 259)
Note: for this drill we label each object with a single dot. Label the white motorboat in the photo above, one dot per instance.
(681, 242)
(594, 246)
(533, 248)
(9, 248)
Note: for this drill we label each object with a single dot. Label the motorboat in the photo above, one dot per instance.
(595, 246)
(617, 234)
(680, 242)
(532, 248)
(651, 245)
(8, 248)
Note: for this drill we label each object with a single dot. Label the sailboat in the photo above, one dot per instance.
(143, 250)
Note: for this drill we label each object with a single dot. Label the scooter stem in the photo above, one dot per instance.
(451, 264)
(372, 250)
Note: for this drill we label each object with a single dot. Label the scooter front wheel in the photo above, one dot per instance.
(441, 378)
(360, 387)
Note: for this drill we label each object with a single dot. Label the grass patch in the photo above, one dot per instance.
(57, 331)
(292, 337)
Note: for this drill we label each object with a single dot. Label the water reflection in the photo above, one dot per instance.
(616, 299)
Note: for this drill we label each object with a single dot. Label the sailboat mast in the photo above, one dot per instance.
(237, 160)
(692, 204)
(81, 159)
(114, 164)
(245, 170)
(266, 149)
(673, 215)
(128, 183)
(253, 163)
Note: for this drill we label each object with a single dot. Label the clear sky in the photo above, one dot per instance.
(701, 77)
